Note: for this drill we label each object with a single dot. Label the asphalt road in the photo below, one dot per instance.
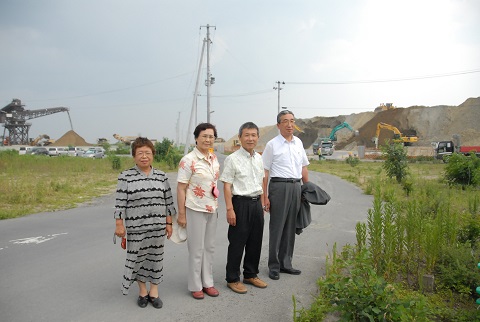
(63, 266)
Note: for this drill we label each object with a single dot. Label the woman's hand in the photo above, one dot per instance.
(119, 228)
(182, 220)
(169, 230)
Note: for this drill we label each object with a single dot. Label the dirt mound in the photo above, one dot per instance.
(428, 123)
(71, 138)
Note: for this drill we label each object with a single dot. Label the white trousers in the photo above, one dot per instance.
(201, 231)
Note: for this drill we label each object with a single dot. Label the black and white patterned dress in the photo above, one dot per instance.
(144, 202)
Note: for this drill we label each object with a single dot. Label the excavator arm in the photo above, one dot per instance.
(397, 135)
(333, 136)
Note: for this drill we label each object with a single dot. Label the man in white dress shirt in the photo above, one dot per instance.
(285, 163)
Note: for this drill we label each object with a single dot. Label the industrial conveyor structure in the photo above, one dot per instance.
(14, 117)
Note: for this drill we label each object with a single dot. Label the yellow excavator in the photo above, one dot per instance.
(42, 140)
(397, 135)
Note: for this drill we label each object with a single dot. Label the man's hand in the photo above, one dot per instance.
(231, 217)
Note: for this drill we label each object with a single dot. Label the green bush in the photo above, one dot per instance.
(122, 149)
(457, 268)
(353, 161)
(116, 162)
(168, 153)
(359, 294)
(396, 163)
(463, 170)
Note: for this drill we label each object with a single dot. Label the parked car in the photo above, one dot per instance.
(24, 149)
(96, 153)
(57, 151)
(37, 151)
(75, 151)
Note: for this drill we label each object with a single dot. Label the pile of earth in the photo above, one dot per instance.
(428, 123)
(71, 138)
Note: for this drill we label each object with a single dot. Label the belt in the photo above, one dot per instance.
(291, 180)
(255, 198)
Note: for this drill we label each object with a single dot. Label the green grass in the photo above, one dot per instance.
(420, 226)
(32, 184)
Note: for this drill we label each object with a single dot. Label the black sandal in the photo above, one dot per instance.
(143, 301)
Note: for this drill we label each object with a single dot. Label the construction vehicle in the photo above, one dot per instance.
(444, 149)
(14, 117)
(333, 136)
(325, 148)
(42, 140)
(125, 139)
(384, 107)
(398, 137)
(101, 141)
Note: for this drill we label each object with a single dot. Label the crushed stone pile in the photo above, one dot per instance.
(428, 123)
(71, 138)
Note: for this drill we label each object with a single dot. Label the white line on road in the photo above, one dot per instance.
(35, 240)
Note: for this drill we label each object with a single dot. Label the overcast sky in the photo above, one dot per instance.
(130, 66)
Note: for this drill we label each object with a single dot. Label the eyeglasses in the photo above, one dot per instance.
(205, 137)
(288, 121)
(141, 153)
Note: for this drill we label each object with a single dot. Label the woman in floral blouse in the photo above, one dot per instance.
(197, 196)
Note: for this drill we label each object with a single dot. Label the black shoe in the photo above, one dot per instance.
(156, 302)
(142, 301)
(291, 271)
(274, 275)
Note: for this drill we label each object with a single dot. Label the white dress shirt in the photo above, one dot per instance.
(284, 159)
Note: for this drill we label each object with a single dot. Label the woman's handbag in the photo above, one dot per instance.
(123, 243)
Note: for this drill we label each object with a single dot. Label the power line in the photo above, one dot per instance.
(114, 90)
(387, 80)
(245, 94)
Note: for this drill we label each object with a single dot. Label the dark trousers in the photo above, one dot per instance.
(285, 200)
(246, 235)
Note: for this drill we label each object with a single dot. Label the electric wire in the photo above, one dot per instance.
(387, 80)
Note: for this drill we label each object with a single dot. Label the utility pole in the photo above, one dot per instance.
(193, 113)
(278, 88)
(177, 131)
(210, 80)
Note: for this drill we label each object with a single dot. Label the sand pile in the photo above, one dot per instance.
(428, 123)
(71, 138)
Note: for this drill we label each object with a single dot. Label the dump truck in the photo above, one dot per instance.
(332, 137)
(444, 149)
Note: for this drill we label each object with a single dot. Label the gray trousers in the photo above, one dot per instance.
(284, 206)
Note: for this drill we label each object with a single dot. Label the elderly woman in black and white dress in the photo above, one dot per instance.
(143, 211)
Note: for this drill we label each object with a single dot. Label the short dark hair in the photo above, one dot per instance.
(141, 142)
(284, 112)
(248, 125)
(202, 127)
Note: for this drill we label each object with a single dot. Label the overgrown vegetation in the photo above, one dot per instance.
(412, 237)
(463, 170)
(431, 228)
(32, 183)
